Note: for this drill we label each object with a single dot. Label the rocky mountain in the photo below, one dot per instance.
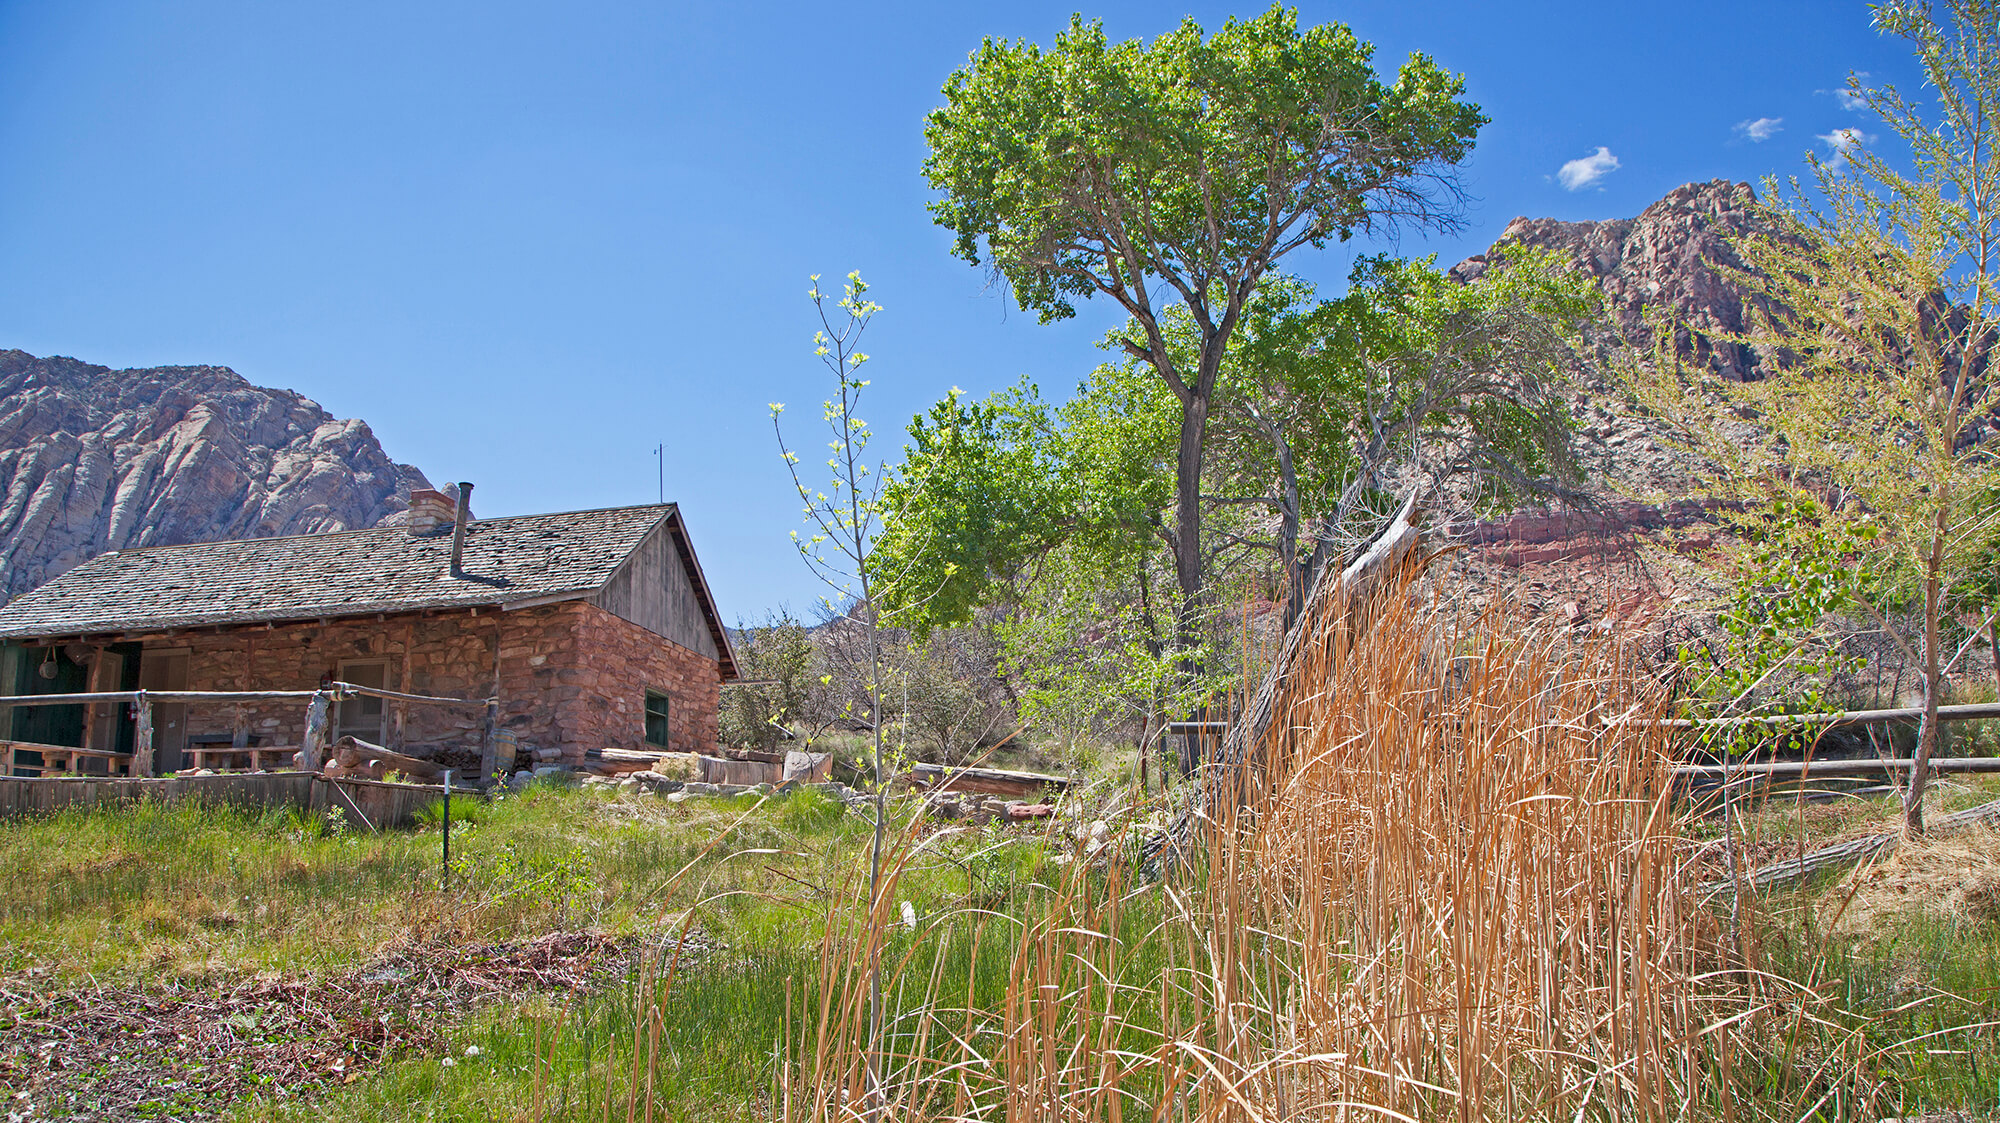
(1642, 547)
(1675, 259)
(95, 459)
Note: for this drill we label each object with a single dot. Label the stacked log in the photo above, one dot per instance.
(624, 762)
(354, 759)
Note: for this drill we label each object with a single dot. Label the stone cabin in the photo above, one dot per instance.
(593, 629)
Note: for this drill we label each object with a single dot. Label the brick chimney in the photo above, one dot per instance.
(431, 512)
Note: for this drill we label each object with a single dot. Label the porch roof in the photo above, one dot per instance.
(343, 573)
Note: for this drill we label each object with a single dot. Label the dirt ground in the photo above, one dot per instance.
(188, 1051)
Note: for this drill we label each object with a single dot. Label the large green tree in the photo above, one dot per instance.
(1185, 170)
(1320, 407)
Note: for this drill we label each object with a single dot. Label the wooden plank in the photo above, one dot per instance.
(347, 688)
(1976, 711)
(162, 696)
(1829, 768)
(932, 772)
(142, 736)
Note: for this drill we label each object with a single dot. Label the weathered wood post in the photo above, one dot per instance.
(489, 755)
(142, 735)
(313, 746)
(94, 684)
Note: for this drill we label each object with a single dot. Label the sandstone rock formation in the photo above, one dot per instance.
(1675, 260)
(1639, 550)
(94, 459)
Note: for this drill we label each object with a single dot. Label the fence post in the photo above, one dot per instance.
(444, 879)
(311, 748)
(489, 748)
(142, 735)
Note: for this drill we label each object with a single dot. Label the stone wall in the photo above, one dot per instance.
(570, 675)
(616, 662)
(449, 656)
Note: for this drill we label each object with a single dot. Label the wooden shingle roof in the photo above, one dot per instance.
(344, 573)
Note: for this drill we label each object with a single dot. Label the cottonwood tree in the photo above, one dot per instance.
(1409, 377)
(1186, 170)
(1319, 406)
(1886, 279)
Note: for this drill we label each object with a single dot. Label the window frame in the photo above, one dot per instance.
(664, 713)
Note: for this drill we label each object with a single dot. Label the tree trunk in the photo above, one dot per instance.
(1398, 542)
(1927, 730)
(1187, 529)
(1288, 532)
(1993, 641)
(1363, 576)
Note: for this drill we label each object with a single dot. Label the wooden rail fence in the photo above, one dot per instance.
(367, 803)
(312, 745)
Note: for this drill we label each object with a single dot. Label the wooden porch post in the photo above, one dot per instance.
(93, 684)
(311, 746)
(142, 735)
(239, 733)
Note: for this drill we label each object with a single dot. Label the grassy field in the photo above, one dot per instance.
(1435, 913)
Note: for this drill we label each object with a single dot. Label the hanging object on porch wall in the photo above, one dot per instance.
(48, 668)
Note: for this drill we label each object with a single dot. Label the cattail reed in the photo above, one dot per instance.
(1449, 889)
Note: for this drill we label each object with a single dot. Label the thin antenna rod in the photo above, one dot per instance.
(660, 452)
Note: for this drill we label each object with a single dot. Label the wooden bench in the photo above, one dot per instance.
(240, 758)
(61, 758)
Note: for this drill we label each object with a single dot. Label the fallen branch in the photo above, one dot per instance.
(1849, 852)
(1384, 556)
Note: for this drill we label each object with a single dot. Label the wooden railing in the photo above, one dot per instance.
(312, 746)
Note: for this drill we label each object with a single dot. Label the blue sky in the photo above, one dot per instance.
(529, 243)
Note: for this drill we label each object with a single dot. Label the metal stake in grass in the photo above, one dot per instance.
(444, 878)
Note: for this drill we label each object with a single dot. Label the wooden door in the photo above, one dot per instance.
(167, 669)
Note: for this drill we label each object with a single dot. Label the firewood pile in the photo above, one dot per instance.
(351, 758)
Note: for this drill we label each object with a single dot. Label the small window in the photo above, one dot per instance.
(656, 719)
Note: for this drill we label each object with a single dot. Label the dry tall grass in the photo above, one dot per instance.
(1452, 891)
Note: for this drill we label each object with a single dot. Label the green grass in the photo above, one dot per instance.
(199, 890)
(1894, 1024)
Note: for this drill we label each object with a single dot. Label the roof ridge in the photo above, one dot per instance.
(378, 527)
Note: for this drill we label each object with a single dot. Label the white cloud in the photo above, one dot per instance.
(1847, 97)
(1762, 129)
(1581, 173)
(1842, 142)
